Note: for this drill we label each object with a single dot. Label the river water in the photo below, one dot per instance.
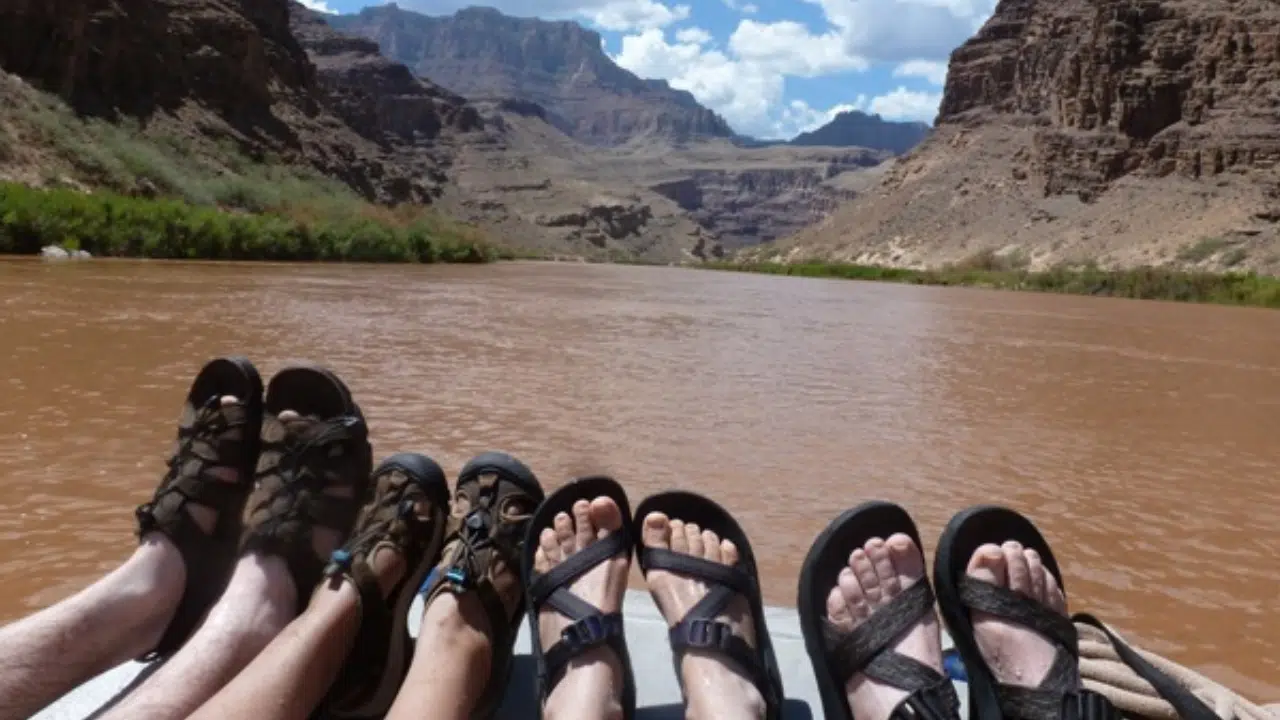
(1140, 436)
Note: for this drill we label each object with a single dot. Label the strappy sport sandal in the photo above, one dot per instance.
(407, 511)
(839, 654)
(591, 628)
(326, 448)
(209, 436)
(494, 499)
(699, 629)
(1059, 696)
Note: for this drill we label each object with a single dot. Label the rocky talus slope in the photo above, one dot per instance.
(200, 74)
(1126, 132)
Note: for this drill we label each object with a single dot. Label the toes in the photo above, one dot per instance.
(564, 533)
(549, 546)
(728, 552)
(605, 516)
(908, 561)
(865, 572)
(584, 533)
(838, 609)
(988, 564)
(694, 535)
(1036, 573)
(886, 576)
(1053, 595)
(1019, 573)
(657, 531)
(851, 590)
(710, 546)
(679, 541)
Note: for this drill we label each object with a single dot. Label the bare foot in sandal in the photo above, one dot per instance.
(715, 686)
(878, 572)
(1017, 655)
(594, 678)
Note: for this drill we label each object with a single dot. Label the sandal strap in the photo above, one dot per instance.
(936, 701)
(867, 647)
(590, 626)
(699, 629)
(1044, 702)
(1019, 609)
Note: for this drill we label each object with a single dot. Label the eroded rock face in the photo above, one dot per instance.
(1120, 132)
(485, 56)
(1127, 86)
(233, 68)
(380, 99)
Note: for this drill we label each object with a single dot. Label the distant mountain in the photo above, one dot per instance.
(854, 128)
(484, 55)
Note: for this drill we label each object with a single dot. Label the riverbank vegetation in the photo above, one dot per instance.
(105, 223)
(1150, 283)
(119, 189)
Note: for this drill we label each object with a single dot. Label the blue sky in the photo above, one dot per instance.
(772, 68)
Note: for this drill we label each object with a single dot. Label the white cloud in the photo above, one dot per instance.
(744, 82)
(789, 48)
(319, 6)
(693, 36)
(627, 15)
(902, 30)
(904, 104)
(933, 71)
(746, 8)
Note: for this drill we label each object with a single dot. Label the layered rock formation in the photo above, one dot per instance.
(858, 129)
(1123, 131)
(484, 55)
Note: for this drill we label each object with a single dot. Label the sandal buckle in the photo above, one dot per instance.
(458, 576)
(339, 562)
(590, 631)
(704, 634)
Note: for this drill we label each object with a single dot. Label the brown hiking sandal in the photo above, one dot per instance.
(492, 504)
(407, 512)
(210, 436)
(313, 470)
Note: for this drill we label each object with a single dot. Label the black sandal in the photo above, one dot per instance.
(699, 629)
(591, 628)
(495, 497)
(1059, 696)
(838, 655)
(209, 435)
(403, 485)
(326, 447)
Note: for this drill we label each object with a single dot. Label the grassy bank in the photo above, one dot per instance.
(1141, 283)
(105, 223)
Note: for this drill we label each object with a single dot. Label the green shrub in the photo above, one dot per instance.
(118, 226)
(1146, 283)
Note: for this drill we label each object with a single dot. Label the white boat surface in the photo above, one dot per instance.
(657, 690)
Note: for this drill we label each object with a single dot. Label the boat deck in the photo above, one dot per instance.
(658, 692)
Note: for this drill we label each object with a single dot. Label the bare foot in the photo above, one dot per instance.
(878, 572)
(714, 685)
(592, 686)
(1017, 655)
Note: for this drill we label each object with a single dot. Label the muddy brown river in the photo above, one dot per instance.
(1141, 436)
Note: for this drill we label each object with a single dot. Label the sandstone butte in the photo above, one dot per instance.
(1126, 132)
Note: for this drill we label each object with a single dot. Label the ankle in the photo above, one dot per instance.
(591, 686)
(716, 689)
(456, 620)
